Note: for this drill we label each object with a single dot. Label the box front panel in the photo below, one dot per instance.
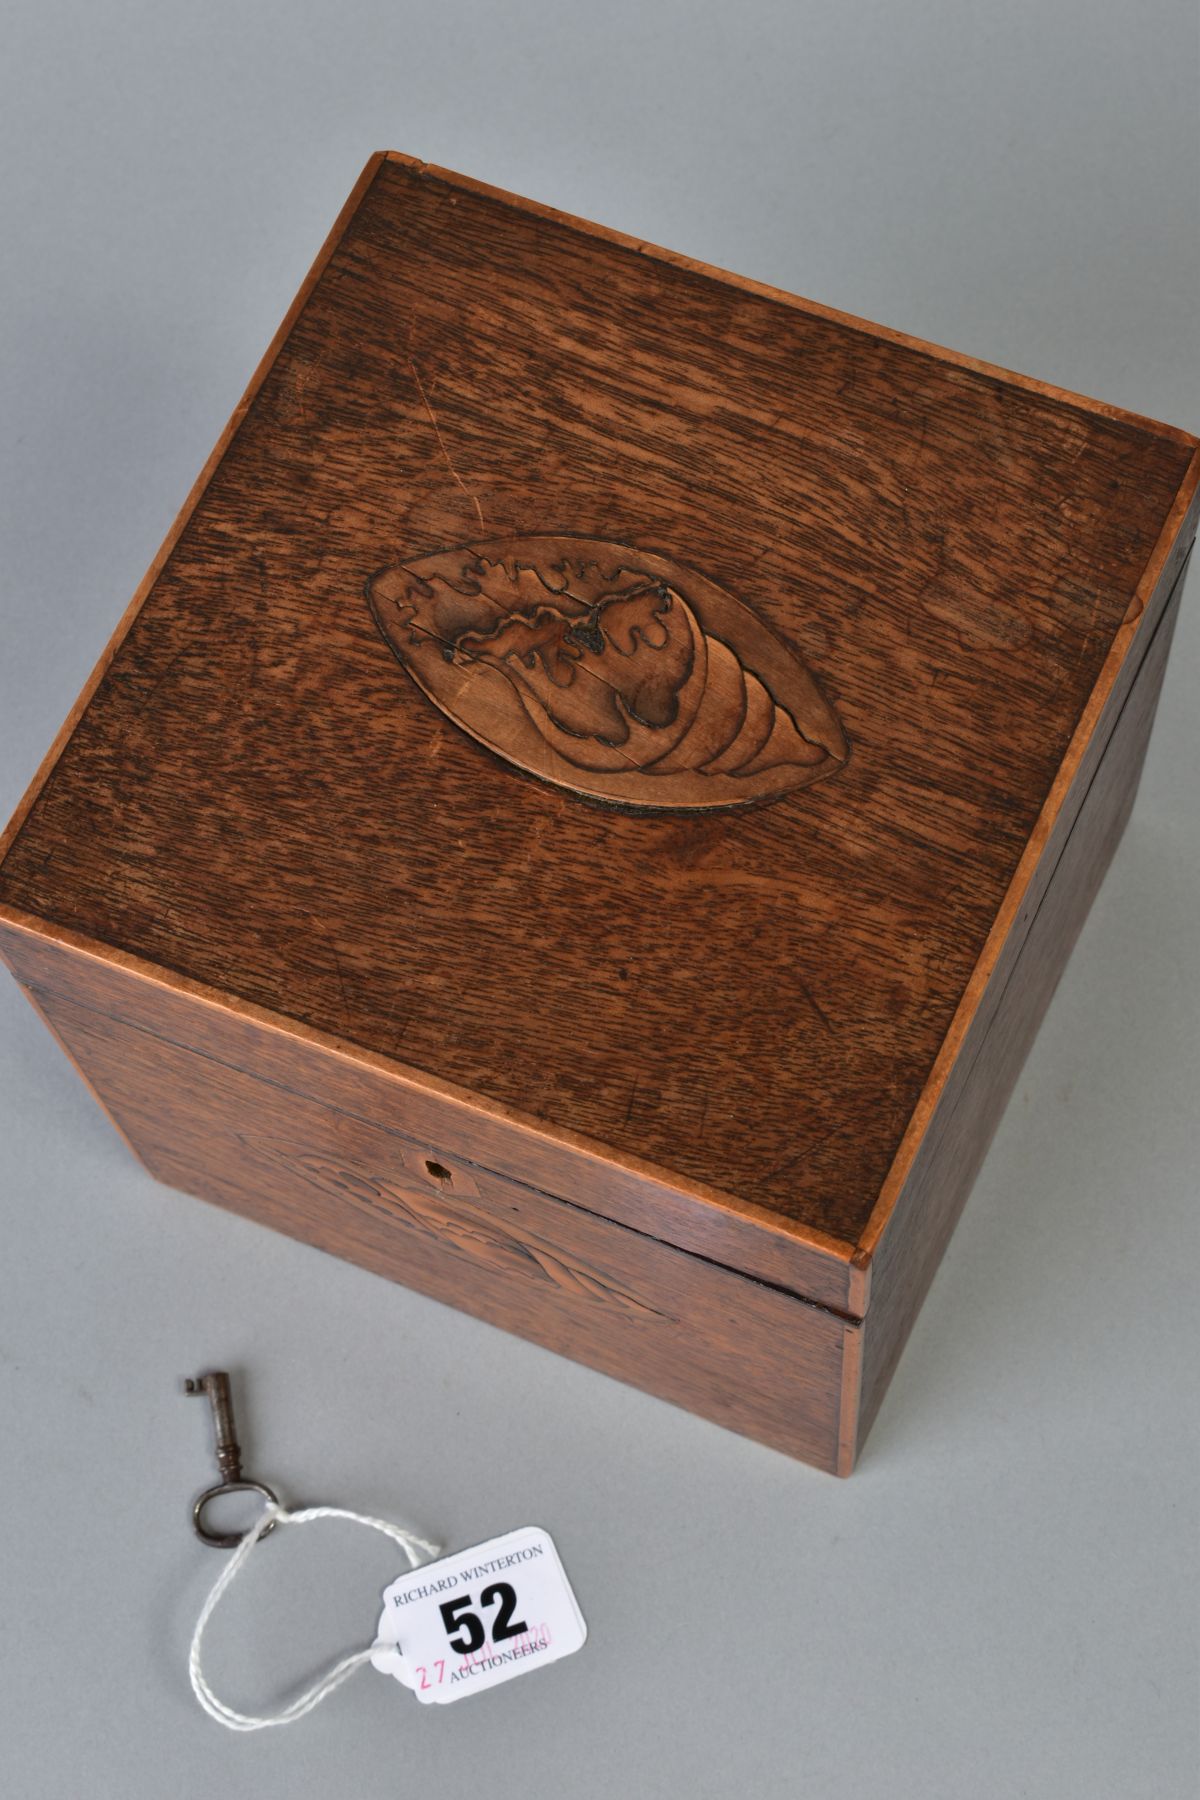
(743, 1354)
(736, 1235)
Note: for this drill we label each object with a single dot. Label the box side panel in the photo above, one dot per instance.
(978, 1090)
(745, 1355)
(982, 995)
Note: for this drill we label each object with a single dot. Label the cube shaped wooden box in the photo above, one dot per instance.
(587, 809)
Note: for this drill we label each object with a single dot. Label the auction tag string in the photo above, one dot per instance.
(417, 1550)
(448, 1628)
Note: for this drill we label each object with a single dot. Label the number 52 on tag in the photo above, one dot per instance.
(479, 1617)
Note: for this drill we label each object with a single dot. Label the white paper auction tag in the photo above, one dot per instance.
(480, 1617)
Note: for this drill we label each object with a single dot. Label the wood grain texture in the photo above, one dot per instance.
(257, 798)
(747, 1356)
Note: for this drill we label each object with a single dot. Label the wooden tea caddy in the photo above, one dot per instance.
(590, 803)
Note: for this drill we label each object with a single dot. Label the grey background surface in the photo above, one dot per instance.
(1003, 1601)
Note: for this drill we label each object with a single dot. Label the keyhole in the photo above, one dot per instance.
(438, 1172)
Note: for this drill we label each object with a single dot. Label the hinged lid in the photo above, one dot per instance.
(613, 690)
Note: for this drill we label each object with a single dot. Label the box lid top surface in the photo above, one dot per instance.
(608, 688)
